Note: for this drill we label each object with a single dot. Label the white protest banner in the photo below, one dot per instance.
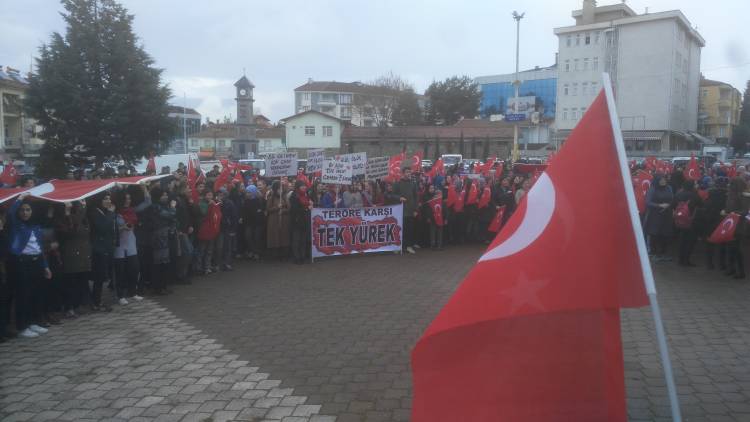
(358, 161)
(377, 167)
(315, 158)
(336, 172)
(346, 231)
(281, 164)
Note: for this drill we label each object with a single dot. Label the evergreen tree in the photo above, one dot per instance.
(741, 132)
(453, 98)
(95, 92)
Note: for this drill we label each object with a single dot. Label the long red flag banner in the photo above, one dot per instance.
(74, 190)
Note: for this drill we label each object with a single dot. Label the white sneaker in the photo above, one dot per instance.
(37, 329)
(123, 301)
(28, 333)
(137, 298)
(410, 250)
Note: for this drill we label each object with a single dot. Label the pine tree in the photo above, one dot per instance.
(453, 98)
(745, 113)
(95, 91)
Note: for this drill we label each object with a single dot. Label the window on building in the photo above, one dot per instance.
(584, 88)
(327, 131)
(583, 111)
(704, 93)
(588, 38)
(346, 112)
(678, 59)
(221, 143)
(594, 86)
(685, 65)
(578, 40)
(575, 89)
(306, 96)
(597, 35)
(576, 65)
(569, 40)
(722, 132)
(595, 63)
(586, 63)
(565, 89)
(684, 91)
(575, 114)
(345, 98)
(309, 130)
(207, 143)
(567, 65)
(565, 114)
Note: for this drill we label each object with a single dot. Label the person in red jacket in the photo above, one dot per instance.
(208, 232)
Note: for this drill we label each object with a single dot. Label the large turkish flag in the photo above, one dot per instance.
(533, 332)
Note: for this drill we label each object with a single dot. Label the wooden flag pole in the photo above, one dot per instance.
(648, 275)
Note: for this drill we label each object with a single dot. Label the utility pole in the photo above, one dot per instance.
(517, 82)
(184, 120)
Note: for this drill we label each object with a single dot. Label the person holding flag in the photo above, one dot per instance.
(435, 217)
(406, 190)
(737, 203)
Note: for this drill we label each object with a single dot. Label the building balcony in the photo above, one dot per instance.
(327, 102)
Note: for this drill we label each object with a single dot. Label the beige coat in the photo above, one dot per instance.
(277, 230)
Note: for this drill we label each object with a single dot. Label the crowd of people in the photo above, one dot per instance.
(57, 258)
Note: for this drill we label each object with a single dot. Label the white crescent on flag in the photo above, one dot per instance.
(540, 205)
(727, 227)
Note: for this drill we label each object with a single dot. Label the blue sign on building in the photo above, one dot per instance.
(515, 117)
(495, 95)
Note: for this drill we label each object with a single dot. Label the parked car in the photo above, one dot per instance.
(426, 164)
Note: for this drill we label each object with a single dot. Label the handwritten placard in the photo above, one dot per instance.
(358, 161)
(315, 159)
(336, 172)
(281, 164)
(377, 167)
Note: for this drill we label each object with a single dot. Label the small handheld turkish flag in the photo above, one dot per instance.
(532, 334)
(497, 220)
(151, 166)
(9, 176)
(692, 171)
(725, 231)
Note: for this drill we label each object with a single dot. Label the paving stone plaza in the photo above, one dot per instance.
(331, 342)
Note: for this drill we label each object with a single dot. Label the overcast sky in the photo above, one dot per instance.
(203, 46)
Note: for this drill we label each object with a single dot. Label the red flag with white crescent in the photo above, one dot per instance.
(641, 185)
(725, 231)
(452, 195)
(416, 161)
(497, 221)
(484, 200)
(532, 334)
(436, 204)
(9, 176)
(692, 171)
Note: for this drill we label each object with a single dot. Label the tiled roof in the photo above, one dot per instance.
(481, 123)
(218, 131)
(312, 111)
(12, 77)
(178, 110)
(333, 86)
(709, 82)
(427, 132)
(275, 133)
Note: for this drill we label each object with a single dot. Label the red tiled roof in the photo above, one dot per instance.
(428, 132)
(477, 123)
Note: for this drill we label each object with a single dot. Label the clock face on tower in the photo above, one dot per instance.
(243, 92)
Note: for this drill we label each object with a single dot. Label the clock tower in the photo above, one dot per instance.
(245, 141)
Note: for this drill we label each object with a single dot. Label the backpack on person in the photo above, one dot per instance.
(682, 217)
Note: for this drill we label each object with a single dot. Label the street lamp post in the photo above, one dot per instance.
(516, 82)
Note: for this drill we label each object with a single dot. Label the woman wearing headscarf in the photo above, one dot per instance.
(164, 215)
(127, 266)
(28, 268)
(277, 231)
(299, 220)
(75, 235)
(658, 223)
(103, 246)
(737, 202)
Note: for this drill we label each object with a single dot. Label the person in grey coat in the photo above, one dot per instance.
(406, 189)
(659, 222)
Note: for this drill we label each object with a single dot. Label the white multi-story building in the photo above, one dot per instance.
(654, 62)
(353, 102)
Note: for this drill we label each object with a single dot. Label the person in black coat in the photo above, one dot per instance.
(253, 213)
(687, 235)
(708, 218)
(658, 223)
(299, 221)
